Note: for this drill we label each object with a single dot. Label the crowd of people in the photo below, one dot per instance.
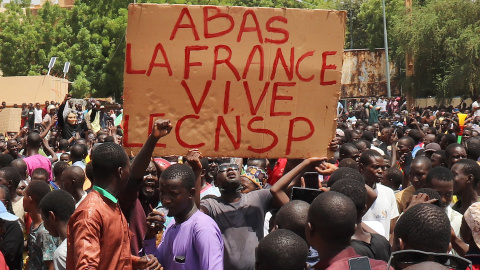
(400, 192)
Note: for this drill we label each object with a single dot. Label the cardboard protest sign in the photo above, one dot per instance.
(10, 120)
(235, 81)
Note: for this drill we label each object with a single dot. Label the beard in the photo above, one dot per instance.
(231, 186)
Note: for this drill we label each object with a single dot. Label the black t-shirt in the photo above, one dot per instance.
(12, 245)
(378, 249)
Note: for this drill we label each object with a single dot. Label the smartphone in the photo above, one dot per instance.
(311, 180)
(360, 263)
(305, 194)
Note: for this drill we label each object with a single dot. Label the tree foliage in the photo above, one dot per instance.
(444, 38)
(442, 35)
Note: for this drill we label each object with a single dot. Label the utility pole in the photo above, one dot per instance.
(389, 93)
(409, 61)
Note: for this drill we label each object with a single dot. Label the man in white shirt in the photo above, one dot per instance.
(384, 209)
(476, 107)
(38, 115)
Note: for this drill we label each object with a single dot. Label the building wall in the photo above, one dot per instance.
(364, 74)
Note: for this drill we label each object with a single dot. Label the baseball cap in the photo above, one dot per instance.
(432, 147)
(5, 215)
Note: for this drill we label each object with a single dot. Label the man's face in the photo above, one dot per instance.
(4, 104)
(373, 172)
(467, 134)
(101, 138)
(2, 138)
(445, 189)
(21, 188)
(460, 180)
(403, 147)
(37, 105)
(436, 160)
(418, 174)
(228, 177)
(49, 224)
(3, 180)
(385, 135)
(12, 147)
(457, 154)
(150, 181)
(175, 196)
(356, 137)
(444, 125)
(428, 139)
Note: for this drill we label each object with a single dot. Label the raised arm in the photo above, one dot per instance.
(160, 128)
(278, 189)
(193, 158)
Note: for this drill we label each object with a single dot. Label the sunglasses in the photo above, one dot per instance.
(225, 167)
(404, 258)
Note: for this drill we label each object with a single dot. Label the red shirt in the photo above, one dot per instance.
(340, 261)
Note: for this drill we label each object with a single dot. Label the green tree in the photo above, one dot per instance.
(444, 38)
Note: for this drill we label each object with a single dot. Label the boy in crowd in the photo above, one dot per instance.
(384, 209)
(331, 224)
(41, 245)
(418, 174)
(466, 174)
(281, 250)
(56, 208)
(190, 225)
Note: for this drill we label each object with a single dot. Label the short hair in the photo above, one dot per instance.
(432, 194)
(293, 216)
(78, 152)
(205, 164)
(345, 172)
(450, 148)
(5, 160)
(8, 198)
(41, 172)
(354, 190)
(333, 216)
(262, 161)
(346, 148)
(60, 202)
(37, 190)
(109, 139)
(349, 163)
(440, 173)
(409, 140)
(63, 145)
(59, 167)
(106, 159)
(395, 175)
(89, 172)
(367, 156)
(472, 146)
(367, 135)
(34, 140)
(359, 143)
(282, 250)
(11, 174)
(424, 227)
(416, 135)
(21, 166)
(451, 139)
(182, 172)
(470, 167)
(423, 159)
